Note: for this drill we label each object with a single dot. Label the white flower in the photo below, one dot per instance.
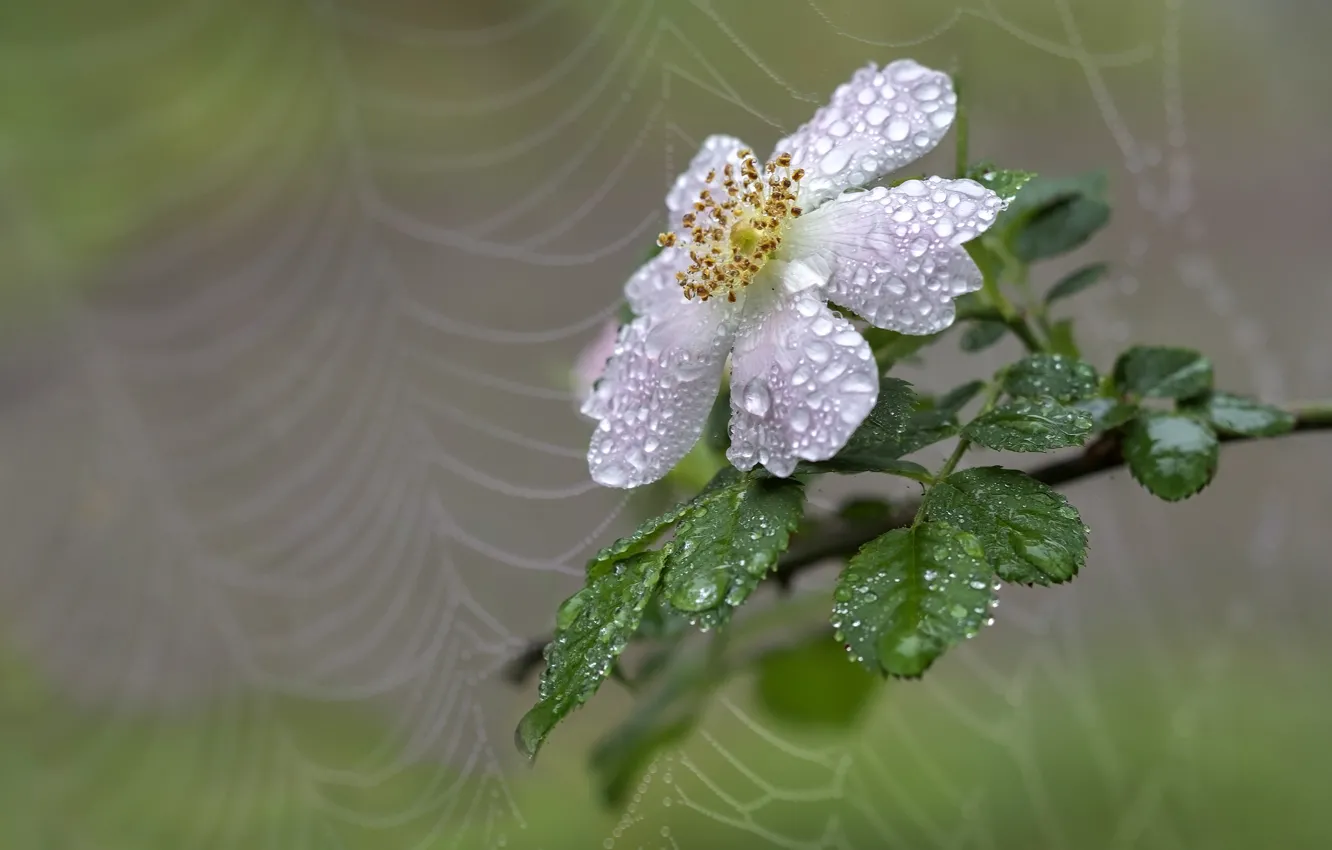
(756, 250)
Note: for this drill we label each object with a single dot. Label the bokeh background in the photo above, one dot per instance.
(289, 465)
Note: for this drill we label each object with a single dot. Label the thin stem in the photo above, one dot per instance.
(991, 396)
(963, 444)
(1312, 416)
(1103, 455)
(1016, 322)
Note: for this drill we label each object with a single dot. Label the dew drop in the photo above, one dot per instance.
(898, 129)
(613, 474)
(835, 160)
(818, 351)
(858, 383)
(756, 398)
(799, 420)
(832, 371)
(914, 188)
(700, 592)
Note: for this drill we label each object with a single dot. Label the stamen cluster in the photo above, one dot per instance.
(735, 228)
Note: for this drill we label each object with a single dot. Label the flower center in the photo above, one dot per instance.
(731, 236)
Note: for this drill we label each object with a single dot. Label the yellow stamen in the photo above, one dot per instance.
(739, 230)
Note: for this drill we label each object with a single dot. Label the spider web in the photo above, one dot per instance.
(293, 468)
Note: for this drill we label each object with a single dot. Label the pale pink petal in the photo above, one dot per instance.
(713, 156)
(658, 388)
(591, 365)
(802, 380)
(653, 288)
(879, 121)
(894, 256)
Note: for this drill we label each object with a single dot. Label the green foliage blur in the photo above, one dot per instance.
(1138, 761)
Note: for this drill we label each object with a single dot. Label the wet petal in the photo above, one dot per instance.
(877, 122)
(653, 288)
(656, 392)
(591, 362)
(802, 380)
(715, 153)
(894, 256)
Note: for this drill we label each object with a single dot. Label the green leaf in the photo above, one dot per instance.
(927, 427)
(812, 685)
(875, 445)
(1030, 533)
(1076, 281)
(717, 429)
(1063, 379)
(1030, 425)
(660, 621)
(981, 335)
(959, 397)
(891, 347)
(1107, 413)
(909, 595)
(592, 628)
(1155, 371)
(725, 546)
(936, 420)
(853, 465)
(1052, 216)
(1243, 416)
(1061, 339)
(1172, 455)
(644, 536)
(1004, 182)
(865, 510)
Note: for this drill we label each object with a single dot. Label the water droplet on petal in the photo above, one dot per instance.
(613, 474)
(858, 382)
(835, 161)
(929, 91)
(818, 351)
(756, 398)
(799, 420)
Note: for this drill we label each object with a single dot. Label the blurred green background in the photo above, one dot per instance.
(287, 477)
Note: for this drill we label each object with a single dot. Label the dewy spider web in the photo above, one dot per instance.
(308, 447)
